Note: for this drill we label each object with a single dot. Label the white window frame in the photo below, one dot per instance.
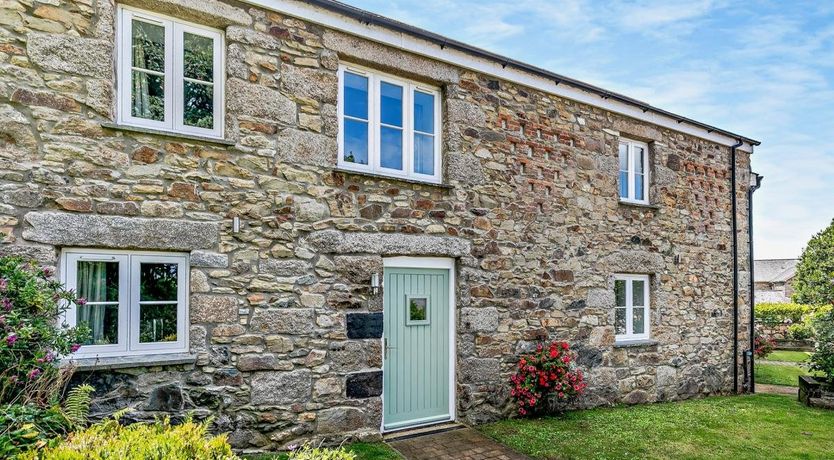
(630, 336)
(632, 171)
(374, 165)
(174, 73)
(129, 305)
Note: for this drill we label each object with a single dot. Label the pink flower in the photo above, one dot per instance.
(7, 304)
(74, 347)
(11, 339)
(81, 301)
(47, 272)
(4, 284)
(34, 373)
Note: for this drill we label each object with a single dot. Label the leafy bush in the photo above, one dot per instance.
(159, 440)
(801, 331)
(307, 452)
(814, 280)
(763, 346)
(823, 358)
(550, 372)
(780, 313)
(31, 341)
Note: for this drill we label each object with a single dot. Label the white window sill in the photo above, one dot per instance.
(126, 362)
(635, 343)
(408, 180)
(638, 204)
(172, 134)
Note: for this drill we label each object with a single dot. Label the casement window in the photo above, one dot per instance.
(135, 303)
(388, 125)
(170, 74)
(631, 310)
(634, 172)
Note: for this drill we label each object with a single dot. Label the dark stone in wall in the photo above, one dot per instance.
(364, 384)
(166, 398)
(364, 325)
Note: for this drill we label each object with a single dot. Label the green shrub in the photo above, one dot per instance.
(779, 313)
(24, 427)
(801, 331)
(31, 336)
(823, 358)
(307, 452)
(814, 279)
(109, 440)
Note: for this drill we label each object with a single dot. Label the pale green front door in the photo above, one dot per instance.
(416, 347)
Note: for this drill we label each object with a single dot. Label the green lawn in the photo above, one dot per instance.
(788, 356)
(363, 451)
(731, 427)
(779, 374)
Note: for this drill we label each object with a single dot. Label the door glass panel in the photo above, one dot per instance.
(417, 309)
(423, 112)
(98, 285)
(198, 57)
(639, 320)
(158, 323)
(619, 321)
(158, 282)
(637, 292)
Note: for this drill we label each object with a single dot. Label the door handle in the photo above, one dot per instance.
(385, 347)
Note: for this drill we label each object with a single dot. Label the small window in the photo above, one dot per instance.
(631, 310)
(134, 303)
(170, 74)
(634, 173)
(418, 310)
(388, 125)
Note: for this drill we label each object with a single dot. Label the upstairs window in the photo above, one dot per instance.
(388, 125)
(631, 309)
(170, 74)
(634, 172)
(135, 303)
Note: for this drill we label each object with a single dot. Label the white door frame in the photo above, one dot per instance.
(444, 263)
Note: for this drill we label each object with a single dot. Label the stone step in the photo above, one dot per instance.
(408, 433)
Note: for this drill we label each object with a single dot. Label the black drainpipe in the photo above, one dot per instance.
(753, 187)
(733, 200)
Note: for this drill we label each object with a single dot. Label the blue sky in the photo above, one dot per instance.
(764, 69)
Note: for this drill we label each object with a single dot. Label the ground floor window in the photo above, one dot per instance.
(133, 302)
(631, 311)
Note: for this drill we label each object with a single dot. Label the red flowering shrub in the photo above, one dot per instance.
(763, 346)
(550, 372)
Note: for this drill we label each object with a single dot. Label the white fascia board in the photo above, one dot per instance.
(416, 45)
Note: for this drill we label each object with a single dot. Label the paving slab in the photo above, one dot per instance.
(461, 444)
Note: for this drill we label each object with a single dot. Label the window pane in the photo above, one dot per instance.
(157, 282)
(638, 186)
(638, 321)
(637, 292)
(356, 96)
(619, 321)
(391, 104)
(391, 148)
(424, 112)
(198, 59)
(98, 281)
(103, 321)
(639, 166)
(158, 323)
(620, 292)
(424, 154)
(356, 142)
(148, 46)
(417, 309)
(623, 171)
(198, 105)
(148, 96)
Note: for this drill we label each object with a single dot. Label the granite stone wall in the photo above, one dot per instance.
(285, 330)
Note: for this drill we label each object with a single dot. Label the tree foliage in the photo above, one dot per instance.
(814, 280)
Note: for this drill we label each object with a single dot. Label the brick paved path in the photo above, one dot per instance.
(462, 444)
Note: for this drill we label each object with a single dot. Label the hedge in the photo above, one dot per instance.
(778, 313)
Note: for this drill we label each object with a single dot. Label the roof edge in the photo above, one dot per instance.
(363, 22)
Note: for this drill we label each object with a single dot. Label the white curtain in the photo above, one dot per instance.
(92, 285)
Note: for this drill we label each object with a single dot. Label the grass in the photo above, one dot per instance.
(737, 427)
(363, 451)
(779, 374)
(788, 356)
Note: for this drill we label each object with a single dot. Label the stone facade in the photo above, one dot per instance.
(285, 330)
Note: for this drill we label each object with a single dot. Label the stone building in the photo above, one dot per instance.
(774, 280)
(313, 222)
